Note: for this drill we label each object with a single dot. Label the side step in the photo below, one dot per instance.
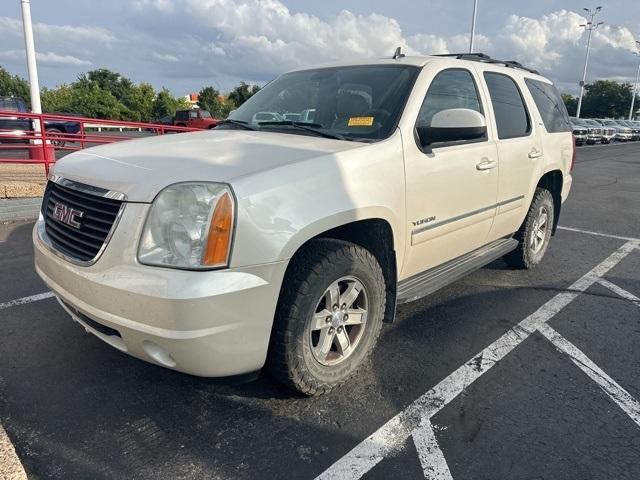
(425, 283)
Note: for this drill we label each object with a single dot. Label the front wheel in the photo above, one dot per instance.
(535, 232)
(328, 318)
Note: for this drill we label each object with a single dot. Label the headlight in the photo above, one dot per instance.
(190, 225)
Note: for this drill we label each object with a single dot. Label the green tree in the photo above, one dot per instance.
(92, 101)
(13, 86)
(166, 104)
(571, 103)
(57, 100)
(606, 98)
(209, 99)
(242, 93)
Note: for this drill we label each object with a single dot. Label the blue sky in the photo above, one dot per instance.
(185, 44)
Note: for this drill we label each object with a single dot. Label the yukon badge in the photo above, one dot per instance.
(423, 221)
(67, 215)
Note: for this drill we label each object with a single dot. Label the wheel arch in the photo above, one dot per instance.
(553, 181)
(375, 234)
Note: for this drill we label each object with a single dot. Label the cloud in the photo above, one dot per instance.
(46, 58)
(258, 39)
(58, 33)
(165, 57)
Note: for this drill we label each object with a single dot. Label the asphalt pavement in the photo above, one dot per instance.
(505, 374)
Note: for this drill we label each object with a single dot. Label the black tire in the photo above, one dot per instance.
(318, 265)
(59, 142)
(525, 256)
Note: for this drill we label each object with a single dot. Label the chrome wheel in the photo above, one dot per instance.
(339, 321)
(539, 230)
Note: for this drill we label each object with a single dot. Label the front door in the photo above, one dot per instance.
(451, 189)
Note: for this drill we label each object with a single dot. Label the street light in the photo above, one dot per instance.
(590, 26)
(473, 25)
(635, 85)
(31, 59)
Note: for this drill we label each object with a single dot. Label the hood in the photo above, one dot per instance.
(141, 168)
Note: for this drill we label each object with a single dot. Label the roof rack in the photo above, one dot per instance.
(484, 58)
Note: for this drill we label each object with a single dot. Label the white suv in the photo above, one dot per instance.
(287, 244)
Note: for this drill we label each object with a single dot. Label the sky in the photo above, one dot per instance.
(187, 44)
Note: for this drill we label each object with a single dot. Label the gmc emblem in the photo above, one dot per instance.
(67, 215)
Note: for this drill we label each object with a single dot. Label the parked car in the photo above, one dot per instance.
(596, 132)
(579, 130)
(195, 118)
(58, 130)
(608, 132)
(623, 133)
(287, 245)
(635, 129)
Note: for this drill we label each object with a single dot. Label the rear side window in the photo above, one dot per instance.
(454, 88)
(182, 115)
(550, 105)
(511, 115)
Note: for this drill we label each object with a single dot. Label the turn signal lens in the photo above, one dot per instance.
(220, 232)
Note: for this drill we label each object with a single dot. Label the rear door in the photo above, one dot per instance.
(520, 150)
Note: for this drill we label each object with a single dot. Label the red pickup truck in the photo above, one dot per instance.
(196, 118)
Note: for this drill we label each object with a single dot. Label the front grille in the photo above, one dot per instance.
(83, 241)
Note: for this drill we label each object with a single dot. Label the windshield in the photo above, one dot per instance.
(205, 114)
(360, 103)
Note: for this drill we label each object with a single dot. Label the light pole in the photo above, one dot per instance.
(635, 85)
(31, 57)
(473, 25)
(590, 26)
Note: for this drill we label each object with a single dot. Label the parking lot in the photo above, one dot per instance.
(505, 374)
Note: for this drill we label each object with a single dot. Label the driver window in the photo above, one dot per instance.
(454, 88)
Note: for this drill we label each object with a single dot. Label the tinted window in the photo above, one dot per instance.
(511, 115)
(550, 105)
(449, 89)
(182, 115)
(356, 102)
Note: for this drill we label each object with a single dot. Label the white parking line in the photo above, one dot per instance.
(598, 234)
(434, 465)
(10, 466)
(390, 437)
(619, 291)
(23, 300)
(618, 394)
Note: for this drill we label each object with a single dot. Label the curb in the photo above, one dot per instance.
(16, 209)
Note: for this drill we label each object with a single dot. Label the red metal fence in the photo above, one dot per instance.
(30, 138)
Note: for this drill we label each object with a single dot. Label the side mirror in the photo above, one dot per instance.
(452, 125)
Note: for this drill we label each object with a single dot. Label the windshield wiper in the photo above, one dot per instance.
(308, 127)
(237, 123)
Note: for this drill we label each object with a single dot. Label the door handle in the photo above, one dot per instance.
(486, 164)
(535, 153)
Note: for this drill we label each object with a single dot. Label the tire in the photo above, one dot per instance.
(296, 357)
(529, 253)
(59, 143)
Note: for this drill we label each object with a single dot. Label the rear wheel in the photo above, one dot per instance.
(328, 318)
(56, 142)
(535, 232)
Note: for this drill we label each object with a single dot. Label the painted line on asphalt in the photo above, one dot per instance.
(23, 300)
(598, 234)
(619, 395)
(434, 465)
(10, 466)
(389, 438)
(619, 291)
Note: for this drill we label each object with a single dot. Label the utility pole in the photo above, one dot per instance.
(31, 57)
(590, 26)
(635, 85)
(473, 25)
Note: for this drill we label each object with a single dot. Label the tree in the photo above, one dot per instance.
(209, 99)
(242, 93)
(606, 98)
(57, 100)
(13, 86)
(165, 105)
(571, 103)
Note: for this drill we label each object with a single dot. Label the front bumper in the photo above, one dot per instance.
(205, 323)
(623, 136)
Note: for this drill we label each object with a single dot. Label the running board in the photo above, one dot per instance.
(425, 283)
